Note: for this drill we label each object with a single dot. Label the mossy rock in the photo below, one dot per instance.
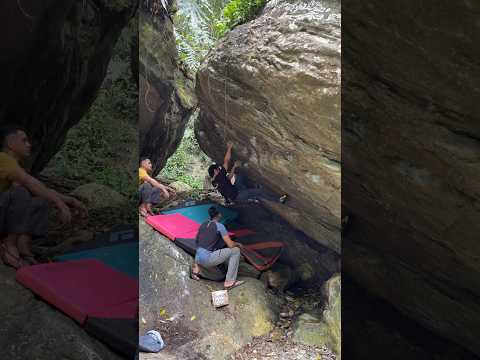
(98, 197)
(181, 187)
(253, 308)
(325, 328)
(167, 291)
(185, 90)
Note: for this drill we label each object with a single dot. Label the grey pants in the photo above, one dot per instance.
(230, 255)
(22, 214)
(255, 194)
(245, 194)
(149, 194)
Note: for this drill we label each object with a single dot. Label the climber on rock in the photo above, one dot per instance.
(232, 185)
(24, 201)
(210, 242)
(150, 190)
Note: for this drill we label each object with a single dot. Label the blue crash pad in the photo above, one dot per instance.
(123, 257)
(199, 213)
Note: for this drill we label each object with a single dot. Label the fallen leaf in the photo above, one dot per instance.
(193, 318)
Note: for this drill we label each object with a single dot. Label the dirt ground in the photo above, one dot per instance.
(266, 348)
(279, 344)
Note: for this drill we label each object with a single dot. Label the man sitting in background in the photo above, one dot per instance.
(150, 190)
(24, 200)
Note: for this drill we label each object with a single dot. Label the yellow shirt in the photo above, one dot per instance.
(8, 165)
(141, 174)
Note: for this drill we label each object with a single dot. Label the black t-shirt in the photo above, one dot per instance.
(209, 237)
(224, 185)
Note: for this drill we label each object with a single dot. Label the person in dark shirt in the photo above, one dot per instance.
(232, 186)
(211, 251)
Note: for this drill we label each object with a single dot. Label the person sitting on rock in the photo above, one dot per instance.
(150, 190)
(24, 201)
(211, 251)
(233, 186)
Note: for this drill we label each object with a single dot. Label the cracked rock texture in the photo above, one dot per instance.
(54, 56)
(272, 87)
(411, 160)
(166, 94)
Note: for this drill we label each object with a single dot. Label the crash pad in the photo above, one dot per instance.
(121, 335)
(177, 226)
(199, 213)
(123, 257)
(262, 255)
(174, 226)
(83, 288)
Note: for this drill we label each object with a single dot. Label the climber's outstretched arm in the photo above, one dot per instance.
(228, 156)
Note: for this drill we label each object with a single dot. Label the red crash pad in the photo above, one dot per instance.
(241, 232)
(262, 255)
(83, 288)
(174, 226)
(177, 226)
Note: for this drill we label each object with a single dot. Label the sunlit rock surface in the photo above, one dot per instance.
(166, 95)
(272, 87)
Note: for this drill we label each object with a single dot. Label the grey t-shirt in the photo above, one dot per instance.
(210, 236)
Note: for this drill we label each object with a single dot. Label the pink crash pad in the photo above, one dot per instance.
(174, 226)
(83, 288)
(177, 226)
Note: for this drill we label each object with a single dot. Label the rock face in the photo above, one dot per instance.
(98, 197)
(302, 260)
(41, 332)
(168, 295)
(323, 329)
(166, 95)
(272, 87)
(54, 58)
(180, 187)
(411, 160)
(372, 323)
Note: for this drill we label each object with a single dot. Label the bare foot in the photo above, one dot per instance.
(30, 259)
(23, 246)
(195, 271)
(11, 259)
(143, 211)
(149, 209)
